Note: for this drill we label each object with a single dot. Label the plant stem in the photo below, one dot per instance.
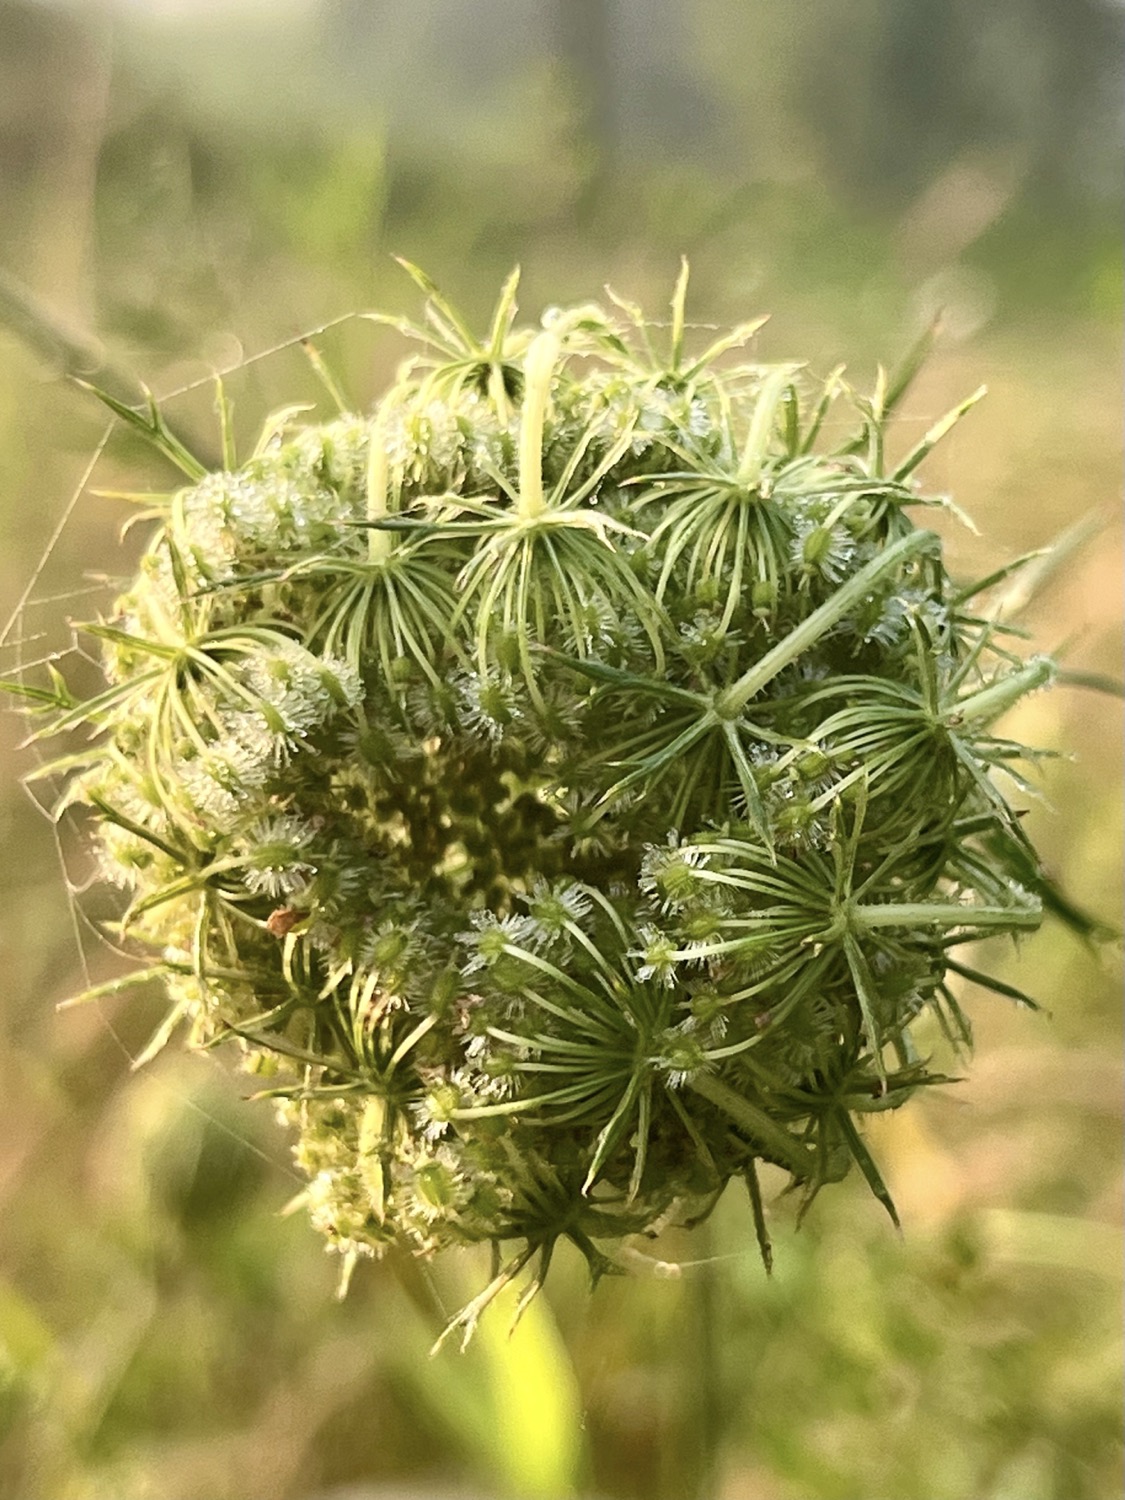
(991, 701)
(731, 702)
(379, 543)
(777, 1141)
(951, 914)
(539, 366)
(761, 428)
(707, 1392)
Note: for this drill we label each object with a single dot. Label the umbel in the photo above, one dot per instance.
(567, 785)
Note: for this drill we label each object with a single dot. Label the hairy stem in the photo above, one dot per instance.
(731, 703)
(779, 1144)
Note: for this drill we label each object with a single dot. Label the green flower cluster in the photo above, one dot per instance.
(568, 783)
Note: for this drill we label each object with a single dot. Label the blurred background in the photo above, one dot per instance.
(187, 183)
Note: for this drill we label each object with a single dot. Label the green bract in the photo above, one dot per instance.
(568, 783)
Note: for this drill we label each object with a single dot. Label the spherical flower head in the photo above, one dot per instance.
(570, 781)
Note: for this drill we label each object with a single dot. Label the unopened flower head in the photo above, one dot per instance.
(576, 776)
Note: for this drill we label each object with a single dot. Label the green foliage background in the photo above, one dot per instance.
(194, 185)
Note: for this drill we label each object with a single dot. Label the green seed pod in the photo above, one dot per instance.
(573, 781)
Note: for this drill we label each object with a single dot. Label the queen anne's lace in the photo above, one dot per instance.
(568, 783)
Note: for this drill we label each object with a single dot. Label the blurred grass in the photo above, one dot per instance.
(163, 1331)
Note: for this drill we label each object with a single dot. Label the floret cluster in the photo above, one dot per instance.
(568, 784)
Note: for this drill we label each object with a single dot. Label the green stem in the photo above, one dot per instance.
(679, 297)
(539, 366)
(942, 914)
(704, 1405)
(779, 1144)
(761, 426)
(991, 701)
(935, 434)
(730, 703)
(379, 543)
